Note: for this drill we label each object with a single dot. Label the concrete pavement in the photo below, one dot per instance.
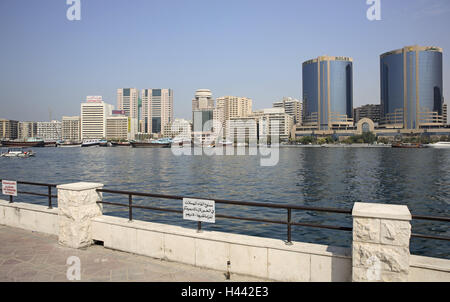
(37, 257)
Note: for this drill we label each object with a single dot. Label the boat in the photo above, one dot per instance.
(407, 145)
(69, 144)
(31, 142)
(439, 145)
(160, 143)
(104, 143)
(181, 142)
(224, 143)
(50, 144)
(17, 152)
(90, 143)
(120, 144)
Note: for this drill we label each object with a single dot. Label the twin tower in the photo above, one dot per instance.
(411, 90)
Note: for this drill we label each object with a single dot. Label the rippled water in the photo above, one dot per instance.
(323, 177)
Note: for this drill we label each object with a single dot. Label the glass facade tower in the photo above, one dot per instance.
(328, 92)
(411, 88)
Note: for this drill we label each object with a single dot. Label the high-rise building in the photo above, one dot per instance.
(204, 116)
(203, 100)
(292, 107)
(411, 87)
(157, 109)
(228, 107)
(71, 128)
(27, 129)
(93, 118)
(128, 100)
(9, 129)
(49, 131)
(328, 92)
(370, 111)
(444, 114)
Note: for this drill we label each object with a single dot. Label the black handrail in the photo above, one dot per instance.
(49, 188)
(287, 207)
(287, 222)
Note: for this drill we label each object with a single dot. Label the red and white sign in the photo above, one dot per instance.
(94, 99)
(9, 187)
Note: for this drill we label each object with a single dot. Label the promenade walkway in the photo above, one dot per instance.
(31, 256)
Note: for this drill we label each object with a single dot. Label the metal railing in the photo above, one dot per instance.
(288, 222)
(289, 208)
(48, 195)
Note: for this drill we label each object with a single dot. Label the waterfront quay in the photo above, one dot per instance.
(379, 250)
(33, 256)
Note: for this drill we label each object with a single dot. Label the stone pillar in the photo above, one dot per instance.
(381, 234)
(77, 205)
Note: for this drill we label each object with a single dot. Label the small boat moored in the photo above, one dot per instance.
(17, 152)
(439, 145)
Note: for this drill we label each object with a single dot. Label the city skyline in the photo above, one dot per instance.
(252, 49)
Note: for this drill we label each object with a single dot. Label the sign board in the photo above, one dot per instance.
(199, 210)
(94, 99)
(9, 187)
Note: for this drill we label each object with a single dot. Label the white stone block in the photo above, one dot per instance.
(366, 230)
(179, 248)
(212, 254)
(248, 260)
(101, 232)
(289, 266)
(383, 211)
(383, 257)
(330, 269)
(122, 238)
(395, 232)
(150, 244)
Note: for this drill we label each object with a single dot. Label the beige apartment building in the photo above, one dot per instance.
(229, 107)
(49, 131)
(27, 130)
(157, 110)
(292, 107)
(71, 128)
(8, 129)
(128, 100)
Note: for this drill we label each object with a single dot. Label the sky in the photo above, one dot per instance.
(251, 48)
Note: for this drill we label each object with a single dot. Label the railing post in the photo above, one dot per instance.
(380, 249)
(289, 231)
(50, 197)
(11, 199)
(199, 226)
(130, 207)
(77, 206)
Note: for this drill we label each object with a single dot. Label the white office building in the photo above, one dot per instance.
(94, 113)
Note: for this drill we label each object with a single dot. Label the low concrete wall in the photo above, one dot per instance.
(428, 269)
(248, 255)
(29, 216)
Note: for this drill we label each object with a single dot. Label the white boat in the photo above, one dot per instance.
(224, 143)
(17, 152)
(90, 143)
(439, 145)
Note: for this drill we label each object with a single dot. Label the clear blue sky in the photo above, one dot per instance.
(251, 48)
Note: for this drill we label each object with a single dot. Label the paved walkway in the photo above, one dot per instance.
(31, 256)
